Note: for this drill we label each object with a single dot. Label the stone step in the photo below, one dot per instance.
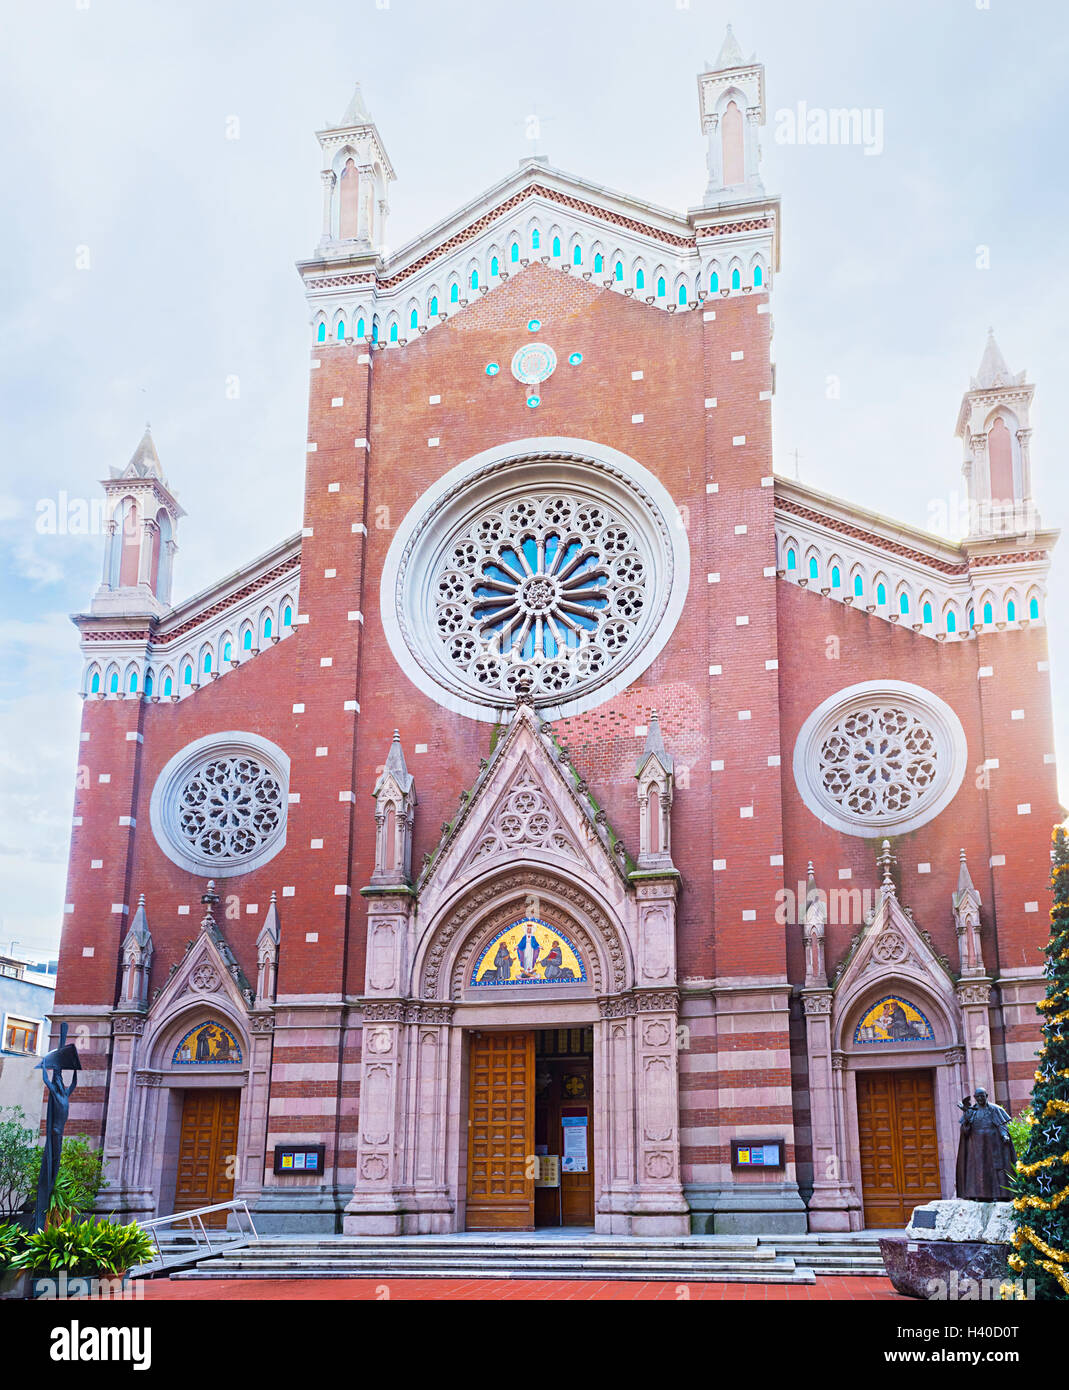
(773, 1271)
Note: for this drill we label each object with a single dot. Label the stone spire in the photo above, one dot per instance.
(731, 102)
(730, 55)
(816, 914)
(966, 903)
(884, 862)
(267, 943)
(144, 462)
(356, 173)
(655, 774)
(136, 960)
(395, 805)
(994, 429)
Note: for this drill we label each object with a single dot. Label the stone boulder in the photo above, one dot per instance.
(956, 1219)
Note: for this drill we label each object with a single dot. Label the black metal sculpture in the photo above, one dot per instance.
(53, 1064)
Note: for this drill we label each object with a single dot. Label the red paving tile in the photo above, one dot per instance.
(827, 1288)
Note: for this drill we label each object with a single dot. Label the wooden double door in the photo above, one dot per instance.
(522, 1104)
(207, 1150)
(899, 1148)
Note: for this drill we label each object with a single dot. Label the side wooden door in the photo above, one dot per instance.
(899, 1149)
(501, 1132)
(207, 1151)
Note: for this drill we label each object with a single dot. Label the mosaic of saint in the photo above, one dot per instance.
(893, 1020)
(207, 1043)
(529, 952)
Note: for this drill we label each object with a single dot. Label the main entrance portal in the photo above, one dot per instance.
(530, 1129)
(899, 1149)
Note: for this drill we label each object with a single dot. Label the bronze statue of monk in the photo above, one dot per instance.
(985, 1151)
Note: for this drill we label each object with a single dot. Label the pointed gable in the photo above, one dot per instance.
(527, 800)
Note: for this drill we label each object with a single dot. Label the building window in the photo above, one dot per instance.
(814, 570)
(341, 330)
(926, 613)
(188, 675)
(115, 682)
(536, 240)
(714, 282)
(434, 306)
(618, 272)
(1033, 608)
(836, 581)
(640, 280)
(859, 587)
(736, 279)
(989, 616)
(599, 263)
(758, 277)
(393, 333)
(148, 684)
(227, 650)
(682, 296)
(168, 685)
(522, 584)
(577, 256)
(792, 560)
(475, 279)
(880, 757)
(360, 328)
(20, 1036)
(413, 319)
(321, 333)
(1011, 611)
(660, 287)
(494, 265)
(952, 621)
(454, 293)
(881, 594)
(207, 663)
(514, 253)
(903, 603)
(219, 806)
(95, 686)
(556, 246)
(287, 616)
(267, 627)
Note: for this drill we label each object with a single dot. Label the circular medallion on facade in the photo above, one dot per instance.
(535, 573)
(534, 363)
(219, 806)
(880, 757)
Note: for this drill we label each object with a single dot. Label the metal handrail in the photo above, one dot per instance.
(197, 1213)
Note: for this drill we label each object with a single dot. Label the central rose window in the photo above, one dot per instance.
(543, 578)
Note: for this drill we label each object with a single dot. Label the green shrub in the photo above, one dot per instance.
(20, 1161)
(11, 1243)
(78, 1181)
(1019, 1128)
(86, 1248)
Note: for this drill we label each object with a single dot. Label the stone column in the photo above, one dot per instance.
(834, 1205)
(329, 179)
(149, 529)
(424, 1152)
(659, 1207)
(125, 1194)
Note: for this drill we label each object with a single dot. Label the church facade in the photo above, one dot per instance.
(577, 821)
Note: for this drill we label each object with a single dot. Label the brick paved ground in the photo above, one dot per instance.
(867, 1288)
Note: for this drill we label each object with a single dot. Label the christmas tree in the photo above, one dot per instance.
(1041, 1240)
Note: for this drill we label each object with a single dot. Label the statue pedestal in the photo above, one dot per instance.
(956, 1270)
(951, 1250)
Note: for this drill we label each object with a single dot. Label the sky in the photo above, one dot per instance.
(161, 175)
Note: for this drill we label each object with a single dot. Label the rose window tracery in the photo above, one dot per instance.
(880, 757)
(219, 806)
(879, 760)
(230, 808)
(541, 576)
(541, 593)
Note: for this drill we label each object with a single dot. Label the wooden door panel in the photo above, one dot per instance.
(500, 1132)
(899, 1148)
(207, 1149)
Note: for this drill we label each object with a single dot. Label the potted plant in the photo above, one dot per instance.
(70, 1249)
